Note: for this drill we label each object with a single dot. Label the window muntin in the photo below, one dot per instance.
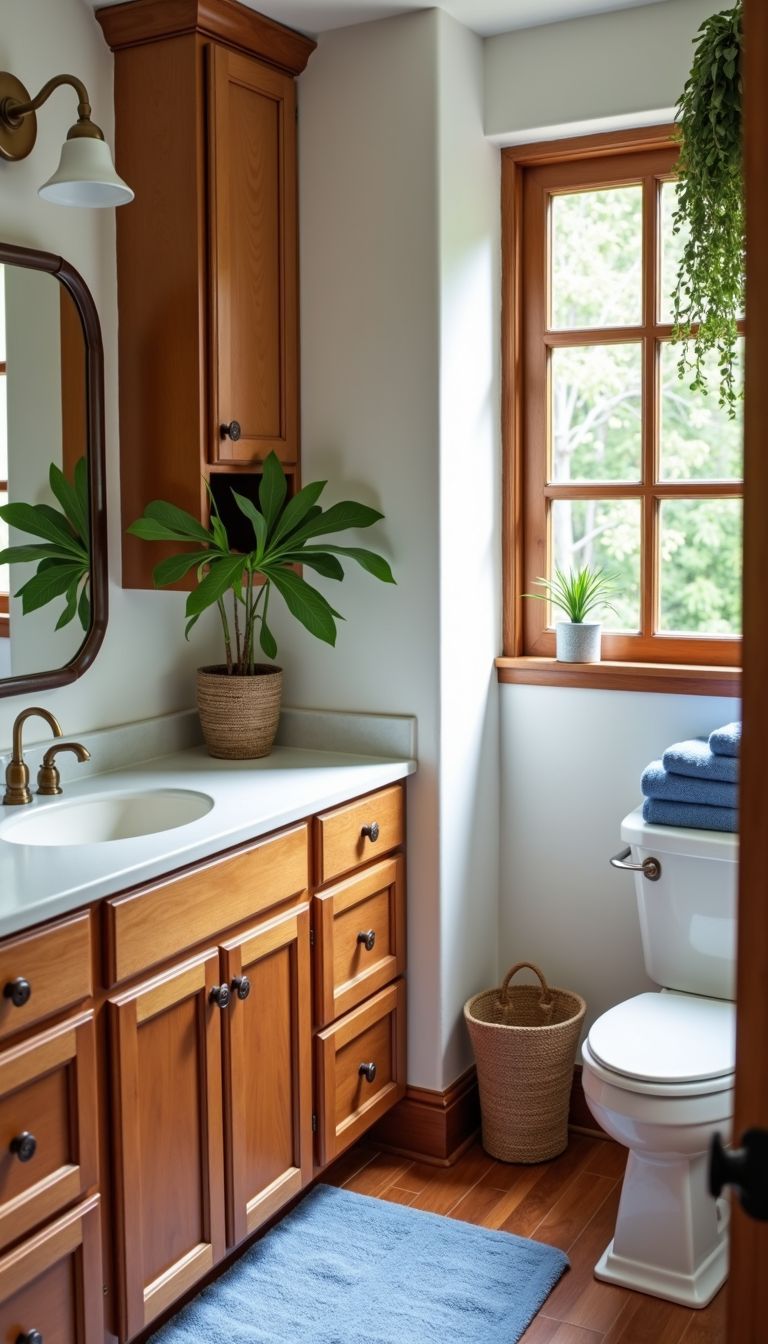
(612, 441)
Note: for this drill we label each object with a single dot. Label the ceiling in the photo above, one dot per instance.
(485, 17)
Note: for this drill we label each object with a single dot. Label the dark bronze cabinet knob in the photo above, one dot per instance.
(367, 939)
(372, 831)
(242, 986)
(30, 1337)
(18, 991)
(24, 1146)
(368, 1072)
(220, 994)
(231, 431)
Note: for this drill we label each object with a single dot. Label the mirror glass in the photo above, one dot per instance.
(52, 581)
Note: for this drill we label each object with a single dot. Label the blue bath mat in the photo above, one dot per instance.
(347, 1269)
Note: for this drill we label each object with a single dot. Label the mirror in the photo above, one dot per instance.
(53, 593)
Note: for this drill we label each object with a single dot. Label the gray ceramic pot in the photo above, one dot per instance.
(578, 643)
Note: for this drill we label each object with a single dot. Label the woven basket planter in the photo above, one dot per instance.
(525, 1039)
(239, 715)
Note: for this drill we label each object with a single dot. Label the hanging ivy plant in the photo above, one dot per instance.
(709, 292)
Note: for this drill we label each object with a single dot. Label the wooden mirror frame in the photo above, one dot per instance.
(73, 282)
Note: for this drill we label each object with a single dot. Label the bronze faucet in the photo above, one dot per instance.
(17, 773)
(48, 778)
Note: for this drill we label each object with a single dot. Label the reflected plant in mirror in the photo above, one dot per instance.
(63, 556)
(53, 562)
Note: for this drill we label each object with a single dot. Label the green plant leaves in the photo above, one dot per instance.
(166, 522)
(42, 521)
(306, 604)
(175, 567)
(70, 500)
(222, 575)
(709, 294)
(272, 490)
(368, 560)
(257, 520)
(63, 557)
(296, 509)
(48, 584)
(578, 592)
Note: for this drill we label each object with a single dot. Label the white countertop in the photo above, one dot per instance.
(250, 798)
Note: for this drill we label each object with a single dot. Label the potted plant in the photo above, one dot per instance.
(577, 593)
(239, 699)
(63, 556)
(709, 292)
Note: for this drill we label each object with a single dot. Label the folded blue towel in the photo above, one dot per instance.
(694, 815)
(726, 741)
(657, 783)
(696, 758)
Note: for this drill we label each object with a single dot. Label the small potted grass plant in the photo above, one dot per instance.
(577, 593)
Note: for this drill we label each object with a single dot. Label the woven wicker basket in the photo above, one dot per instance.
(525, 1038)
(239, 715)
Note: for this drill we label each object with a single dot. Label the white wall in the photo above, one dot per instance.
(144, 667)
(571, 759)
(399, 203)
(587, 75)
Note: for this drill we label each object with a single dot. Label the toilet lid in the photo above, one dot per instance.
(667, 1038)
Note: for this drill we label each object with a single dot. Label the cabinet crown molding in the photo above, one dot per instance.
(139, 21)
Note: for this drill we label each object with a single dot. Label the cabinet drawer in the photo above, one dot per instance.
(46, 971)
(348, 1104)
(360, 937)
(342, 839)
(52, 1283)
(48, 1138)
(151, 925)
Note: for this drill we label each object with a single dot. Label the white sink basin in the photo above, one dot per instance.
(99, 818)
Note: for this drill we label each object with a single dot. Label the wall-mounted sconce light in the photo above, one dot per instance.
(86, 174)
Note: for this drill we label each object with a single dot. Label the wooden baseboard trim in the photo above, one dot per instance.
(437, 1127)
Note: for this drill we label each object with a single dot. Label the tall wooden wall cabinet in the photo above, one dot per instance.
(205, 133)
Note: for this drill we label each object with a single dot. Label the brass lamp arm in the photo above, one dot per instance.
(13, 112)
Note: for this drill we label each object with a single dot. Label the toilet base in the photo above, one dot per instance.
(671, 1237)
(688, 1290)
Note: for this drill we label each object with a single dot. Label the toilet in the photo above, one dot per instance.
(659, 1068)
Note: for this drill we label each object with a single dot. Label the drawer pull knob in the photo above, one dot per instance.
(220, 994)
(372, 832)
(30, 1337)
(368, 1072)
(367, 939)
(231, 431)
(242, 986)
(24, 1146)
(18, 991)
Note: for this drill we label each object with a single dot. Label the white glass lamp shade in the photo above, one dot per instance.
(86, 176)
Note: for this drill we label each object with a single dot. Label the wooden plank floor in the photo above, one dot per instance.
(571, 1203)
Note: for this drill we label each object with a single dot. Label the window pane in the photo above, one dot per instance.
(698, 440)
(701, 566)
(672, 247)
(596, 400)
(603, 533)
(596, 258)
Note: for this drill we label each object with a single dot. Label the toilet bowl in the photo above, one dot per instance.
(658, 1069)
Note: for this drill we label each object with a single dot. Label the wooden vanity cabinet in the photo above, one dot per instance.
(205, 133)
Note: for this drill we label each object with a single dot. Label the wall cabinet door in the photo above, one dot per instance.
(167, 1118)
(253, 266)
(267, 1070)
(51, 1284)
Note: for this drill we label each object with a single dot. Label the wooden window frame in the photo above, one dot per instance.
(667, 663)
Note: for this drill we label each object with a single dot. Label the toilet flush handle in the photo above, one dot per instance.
(650, 867)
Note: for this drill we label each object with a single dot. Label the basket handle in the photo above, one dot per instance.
(546, 1001)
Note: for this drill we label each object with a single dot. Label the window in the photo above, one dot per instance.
(611, 459)
(4, 576)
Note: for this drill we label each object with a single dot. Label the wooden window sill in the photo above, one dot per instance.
(666, 678)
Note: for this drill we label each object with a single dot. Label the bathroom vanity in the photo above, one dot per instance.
(193, 1024)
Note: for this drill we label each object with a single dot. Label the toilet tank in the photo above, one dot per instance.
(688, 916)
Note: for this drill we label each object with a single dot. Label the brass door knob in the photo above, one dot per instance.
(18, 991)
(367, 1071)
(231, 431)
(220, 995)
(242, 986)
(367, 939)
(372, 831)
(23, 1146)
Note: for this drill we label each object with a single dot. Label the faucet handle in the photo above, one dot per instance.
(48, 777)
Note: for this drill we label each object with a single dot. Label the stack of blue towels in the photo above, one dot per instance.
(696, 783)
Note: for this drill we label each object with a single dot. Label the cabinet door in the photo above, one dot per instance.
(253, 266)
(166, 1037)
(268, 1077)
(52, 1283)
